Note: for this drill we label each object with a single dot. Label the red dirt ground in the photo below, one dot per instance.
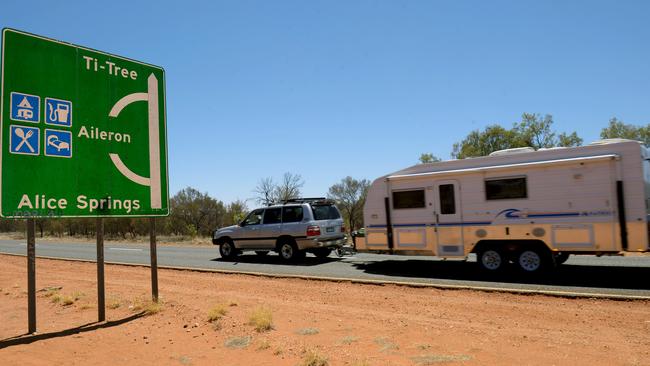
(353, 324)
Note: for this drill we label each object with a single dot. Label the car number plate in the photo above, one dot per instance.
(330, 229)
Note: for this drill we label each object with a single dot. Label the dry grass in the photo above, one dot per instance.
(437, 359)
(307, 331)
(51, 291)
(148, 307)
(65, 300)
(238, 342)
(261, 319)
(386, 344)
(349, 340)
(264, 345)
(217, 312)
(313, 358)
(114, 303)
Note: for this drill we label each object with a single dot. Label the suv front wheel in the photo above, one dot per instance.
(227, 250)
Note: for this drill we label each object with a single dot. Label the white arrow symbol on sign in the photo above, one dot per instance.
(151, 96)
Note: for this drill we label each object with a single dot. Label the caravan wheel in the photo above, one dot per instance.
(533, 260)
(491, 260)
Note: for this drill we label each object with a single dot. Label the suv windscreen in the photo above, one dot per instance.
(273, 215)
(254, 218)
(325, 212)
(292, 214)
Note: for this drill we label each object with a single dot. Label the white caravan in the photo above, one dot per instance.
(532, 208)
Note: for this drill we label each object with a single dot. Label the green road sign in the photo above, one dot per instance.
(83, 132)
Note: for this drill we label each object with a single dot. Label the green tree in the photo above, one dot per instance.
(536, 131)
(350, 196)
(193, 212)
(479, 143)
(533, 130)
(428, 158)
(569, 140)
(618, 129)
(235, 212)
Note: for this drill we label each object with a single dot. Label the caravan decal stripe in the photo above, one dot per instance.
(477, 223)
(508, 214)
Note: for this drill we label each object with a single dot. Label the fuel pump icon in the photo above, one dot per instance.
(153, 181)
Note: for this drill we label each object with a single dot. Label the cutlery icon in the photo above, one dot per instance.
(24, 138)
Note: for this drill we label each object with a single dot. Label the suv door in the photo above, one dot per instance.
(271, 228)
(292, 217)
(250, 229)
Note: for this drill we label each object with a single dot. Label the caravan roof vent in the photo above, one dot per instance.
(552, 148)
(516, 150)
(610, 141)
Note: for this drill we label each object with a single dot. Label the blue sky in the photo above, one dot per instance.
(327, 89)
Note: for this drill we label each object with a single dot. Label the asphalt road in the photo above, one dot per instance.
(618, 276)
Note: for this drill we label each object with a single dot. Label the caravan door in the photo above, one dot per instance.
(448, 218)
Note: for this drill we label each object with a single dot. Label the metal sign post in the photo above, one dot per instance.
(31, 276)
(154, 259)
(101, 298)
(82, 134)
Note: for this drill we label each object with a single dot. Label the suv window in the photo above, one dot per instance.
(325, 212)
(292, 214)
(273, 215)
(254, 218)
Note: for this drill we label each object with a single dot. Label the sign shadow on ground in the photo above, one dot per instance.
(89, 327)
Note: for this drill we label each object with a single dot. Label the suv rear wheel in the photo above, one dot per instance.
(288, 251)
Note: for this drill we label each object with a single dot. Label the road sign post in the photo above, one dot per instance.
(31, 276)
(154, 259)
(101, 295)
(82, 134)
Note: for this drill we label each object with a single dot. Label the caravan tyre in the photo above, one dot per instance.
(532, 260)
(491, 260)
(561, 258)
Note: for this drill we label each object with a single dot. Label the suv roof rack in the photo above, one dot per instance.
(305, 200)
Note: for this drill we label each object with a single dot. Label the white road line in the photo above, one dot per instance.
(126, 249)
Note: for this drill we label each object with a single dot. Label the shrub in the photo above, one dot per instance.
(261, 319)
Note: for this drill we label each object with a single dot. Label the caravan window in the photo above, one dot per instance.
(501, 189)
(447, 199)
(408, 199)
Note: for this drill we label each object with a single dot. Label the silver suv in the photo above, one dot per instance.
(291, 229)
